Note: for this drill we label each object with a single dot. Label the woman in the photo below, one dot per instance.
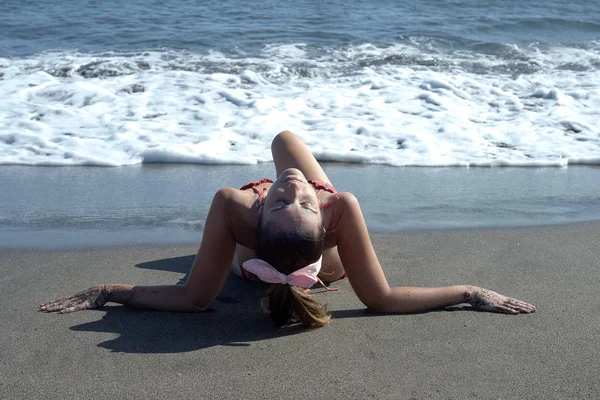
(292, 233)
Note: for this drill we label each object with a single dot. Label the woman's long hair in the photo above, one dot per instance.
(288, 252)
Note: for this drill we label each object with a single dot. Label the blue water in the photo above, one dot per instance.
(30, 27)
(433, 83)
(428, 83)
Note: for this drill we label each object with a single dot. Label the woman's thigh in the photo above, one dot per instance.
(289, 151)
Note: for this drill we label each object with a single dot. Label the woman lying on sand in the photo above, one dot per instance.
(292, 233)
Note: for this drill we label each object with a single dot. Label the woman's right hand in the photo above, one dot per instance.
(94, 297)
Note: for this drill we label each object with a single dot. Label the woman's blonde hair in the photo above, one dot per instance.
(288, 252)
(286, 304)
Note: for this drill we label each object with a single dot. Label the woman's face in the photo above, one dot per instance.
(292, 203)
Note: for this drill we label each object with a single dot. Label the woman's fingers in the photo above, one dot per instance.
(506, 310)
(521, 306)
(87, 299)
(82, 306)
(511, 309)
(49, 303)
(67, 305)
(56, 305)
(52, 304)
(485, 299)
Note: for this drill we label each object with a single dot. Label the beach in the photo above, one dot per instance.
(234, 351)
(468, 130)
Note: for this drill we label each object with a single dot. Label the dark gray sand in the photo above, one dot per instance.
(234, 352)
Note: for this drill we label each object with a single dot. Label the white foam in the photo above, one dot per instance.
(362, 104)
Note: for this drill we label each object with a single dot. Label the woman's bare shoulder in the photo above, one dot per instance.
(237, 196)
(242, 207)
(347, 196)
(344, 201)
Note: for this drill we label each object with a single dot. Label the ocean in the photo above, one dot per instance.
(441, 83)
(438, 84)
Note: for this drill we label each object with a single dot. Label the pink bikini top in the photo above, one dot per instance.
(321, 185)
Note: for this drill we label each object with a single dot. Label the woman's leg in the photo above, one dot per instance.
(291, 152)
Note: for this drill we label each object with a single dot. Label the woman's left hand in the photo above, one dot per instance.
(487, 300)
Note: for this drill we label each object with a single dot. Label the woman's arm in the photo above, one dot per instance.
(204, 282)
(167, 298)
(369, 282)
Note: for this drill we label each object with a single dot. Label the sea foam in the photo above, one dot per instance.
(394, 105)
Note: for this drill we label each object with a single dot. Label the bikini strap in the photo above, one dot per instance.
(322, 185)
(252, 185)
(325, 187)
(330, 202)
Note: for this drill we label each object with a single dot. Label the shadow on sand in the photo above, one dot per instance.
(235, 319)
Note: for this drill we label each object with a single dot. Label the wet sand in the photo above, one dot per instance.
(58, 208)
(233, 351)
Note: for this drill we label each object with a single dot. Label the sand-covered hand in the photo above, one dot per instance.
(94, 297)
(487, 300)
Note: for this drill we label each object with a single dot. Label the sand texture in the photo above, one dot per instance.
(234, 352)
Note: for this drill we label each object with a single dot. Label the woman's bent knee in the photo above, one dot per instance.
(282, 138)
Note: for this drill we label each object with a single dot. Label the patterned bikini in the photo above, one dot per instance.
(321, 185)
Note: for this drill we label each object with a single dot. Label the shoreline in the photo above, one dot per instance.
(454, 353)
(153, 242)
(72, 207)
